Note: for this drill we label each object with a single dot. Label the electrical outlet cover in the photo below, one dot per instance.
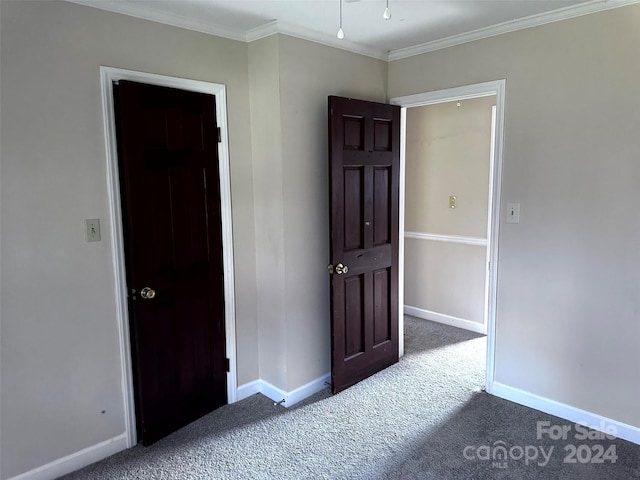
(513, 213)
(92, 229)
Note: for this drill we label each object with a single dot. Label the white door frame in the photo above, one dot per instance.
(108, 76)
(496, 88)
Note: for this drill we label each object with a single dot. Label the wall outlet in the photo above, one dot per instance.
(452, 201)
(513, 213)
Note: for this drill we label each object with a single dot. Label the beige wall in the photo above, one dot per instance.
(266, 130)
(568, 310)
(445, 278)
(447, 153)
(60, 354)
(60, 351)
(290, 83)
(309, 74)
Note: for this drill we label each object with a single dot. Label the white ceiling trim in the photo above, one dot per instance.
(163, 17)
(274, 27)
(511, 26)
(257, 33)
(262, 31)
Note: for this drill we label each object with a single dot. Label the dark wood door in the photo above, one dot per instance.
(168, 144)
(364, 167)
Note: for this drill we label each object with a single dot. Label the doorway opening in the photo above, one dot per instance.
(110, 76)
(463, 234)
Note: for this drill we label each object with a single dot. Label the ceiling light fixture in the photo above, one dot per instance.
(387, 14)
(340, 33)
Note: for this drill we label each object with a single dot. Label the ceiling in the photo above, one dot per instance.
(415, 26)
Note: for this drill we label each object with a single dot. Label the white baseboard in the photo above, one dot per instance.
(76, 461)
(247, 389)
(274, 393)
(446, 319)
(95, 453)
(573, 414)
(278, 395)
(307, 390)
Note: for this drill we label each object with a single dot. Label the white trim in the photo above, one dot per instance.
(228, 256)
(76, 460)
(445, 319)
(314, 386)
(108, 76)
(562, 410)
(270, 28)
(263, 31)
(477, 90)
(247, 389)
(274, 393)
(330, 40)
(286, 399)
(302, 33)
(511, 26)
(497, 88)
(117, 257)
(490, 223)
(166, 18)
(482, 242)
(401, 208)
(494, 230)
(274, 26)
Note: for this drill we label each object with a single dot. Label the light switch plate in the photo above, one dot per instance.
(92, 229)
(513, 213)
(452, 201)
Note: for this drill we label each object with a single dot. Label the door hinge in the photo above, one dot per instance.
(219, 135)
(227, 365)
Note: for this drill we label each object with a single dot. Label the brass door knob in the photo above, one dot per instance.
(340, 269)
(147, 293)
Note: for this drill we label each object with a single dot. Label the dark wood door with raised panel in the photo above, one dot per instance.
(170, 189)
(364, 163)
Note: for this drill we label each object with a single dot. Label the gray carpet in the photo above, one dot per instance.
(411, 421)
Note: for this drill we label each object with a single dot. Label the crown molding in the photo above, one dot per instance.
(511, 26)
(275, 26)
(331, 41)
(162, 17)
(262, 31)
(257, 33)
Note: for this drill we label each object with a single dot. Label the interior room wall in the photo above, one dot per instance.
(568, 310)
(448, 149)
(266, 130)
(444, 278)
(60, 355)
(290, 83)
(309, 73)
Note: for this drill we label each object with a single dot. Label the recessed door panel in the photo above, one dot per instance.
(353, 196)
(382, 310)
(354, 316)
(353, 127)
(382, 205)
(382, 134)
